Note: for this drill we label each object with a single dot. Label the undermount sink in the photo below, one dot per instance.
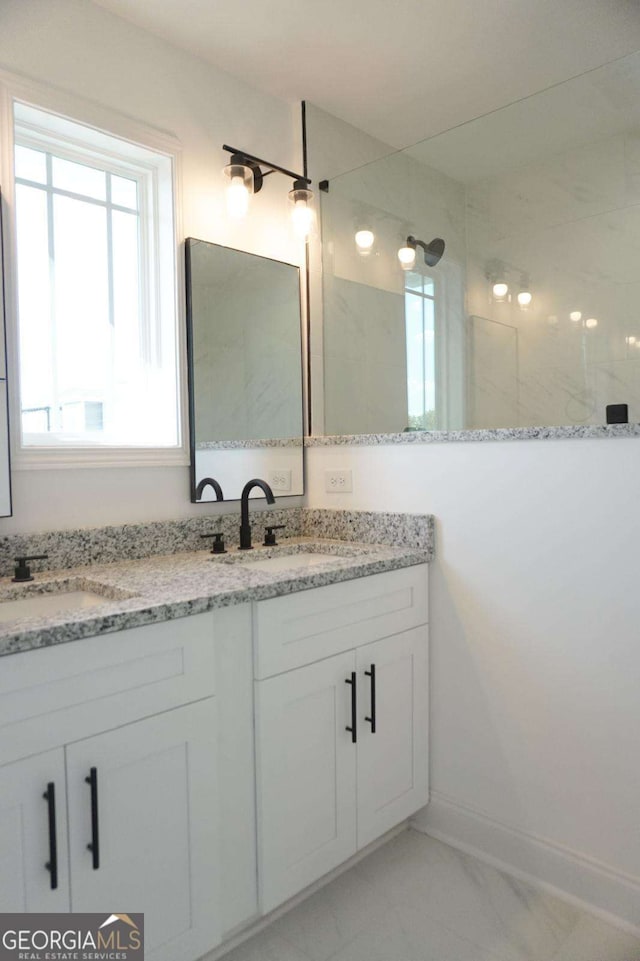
(55, 597)
(286, 562)
(290, 557)
(40, 605)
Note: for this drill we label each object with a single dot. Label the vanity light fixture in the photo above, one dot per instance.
(365, 239)
(246, 174)
(433, 251)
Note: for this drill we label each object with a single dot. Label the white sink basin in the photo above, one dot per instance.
(288, 562)
(41, 605)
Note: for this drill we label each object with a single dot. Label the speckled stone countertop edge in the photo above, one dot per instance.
(196, 590)
(494, 434)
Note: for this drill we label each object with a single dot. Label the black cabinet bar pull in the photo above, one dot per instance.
(94, 847)
(354, 713)
(372, 719)
(52, 864)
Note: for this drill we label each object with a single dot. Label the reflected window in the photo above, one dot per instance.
(419, 305)
(97, 319)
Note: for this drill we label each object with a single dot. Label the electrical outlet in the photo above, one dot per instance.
(280, 480)
(338, 481)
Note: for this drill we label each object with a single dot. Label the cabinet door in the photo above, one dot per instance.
(33, 833)
(392, 762)
(306, 776)
(154, 817)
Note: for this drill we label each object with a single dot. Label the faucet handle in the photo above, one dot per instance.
(218, 542)
(23, 571)
(270, 537)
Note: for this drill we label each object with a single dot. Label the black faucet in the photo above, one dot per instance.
(209, 482)
(245, 527)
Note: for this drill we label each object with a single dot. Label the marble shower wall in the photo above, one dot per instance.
(572, 222)
(365, 368)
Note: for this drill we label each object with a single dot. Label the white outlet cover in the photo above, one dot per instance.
(338, 481)
(280, 480)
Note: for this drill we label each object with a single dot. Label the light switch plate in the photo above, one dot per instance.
(280, 480)
(338, 481)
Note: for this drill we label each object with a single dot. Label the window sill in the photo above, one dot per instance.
(55, 458)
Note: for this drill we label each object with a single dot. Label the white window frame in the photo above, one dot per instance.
(103, 121)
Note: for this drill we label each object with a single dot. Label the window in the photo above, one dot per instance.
(419, 301)
(95, 287)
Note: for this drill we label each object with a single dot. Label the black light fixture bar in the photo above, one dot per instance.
(271, 168)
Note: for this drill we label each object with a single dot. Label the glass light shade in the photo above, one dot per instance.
(239, 189)
(365, 239)
(575, 316)
(500, 290)
(524, 298)
(590, 323)
(302, 213)
(407, 257)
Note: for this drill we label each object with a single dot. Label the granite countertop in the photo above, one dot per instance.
(164, 587)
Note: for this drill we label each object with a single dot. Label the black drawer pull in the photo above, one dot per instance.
(94, 846)
(372, 719)
(354, 712)
(52, 864)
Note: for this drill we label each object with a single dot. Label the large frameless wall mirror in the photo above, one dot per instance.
(530, 318)
(245, 371)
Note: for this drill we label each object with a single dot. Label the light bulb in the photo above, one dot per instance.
(590, 323)
(407, 257)
(237, 198)
(302, 217)
(364, 240)
(302, 213)
(500, 290)
(524, 298)
(575, 316)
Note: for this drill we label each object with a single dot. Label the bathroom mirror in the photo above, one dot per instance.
(5, 458)
(530, 319)
(245, 371)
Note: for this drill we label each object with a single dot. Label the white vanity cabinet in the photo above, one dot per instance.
(125, 728)
(348, 656)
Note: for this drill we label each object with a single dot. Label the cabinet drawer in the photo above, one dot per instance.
(301, 628)
(60, 694)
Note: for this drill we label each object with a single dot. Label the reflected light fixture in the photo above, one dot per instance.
(591, 323)
(365, 239)
(630, 340)
(433, 251)
(575, 316)
(500, 290)
(524, 294)
(246, 174)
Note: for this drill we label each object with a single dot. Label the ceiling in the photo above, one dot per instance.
(401, 70)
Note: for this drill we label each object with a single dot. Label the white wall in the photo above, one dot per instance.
(535, 652)
(79, 48)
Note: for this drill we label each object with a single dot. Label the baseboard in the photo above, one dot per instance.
(577, 878)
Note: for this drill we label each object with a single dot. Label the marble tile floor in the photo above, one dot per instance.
(416, 899)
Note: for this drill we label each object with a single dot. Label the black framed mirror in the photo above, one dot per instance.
(244, 347)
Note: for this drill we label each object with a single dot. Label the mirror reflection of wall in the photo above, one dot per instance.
(541, 196)
(245, 370)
